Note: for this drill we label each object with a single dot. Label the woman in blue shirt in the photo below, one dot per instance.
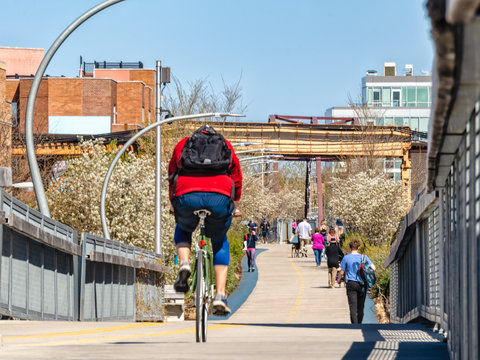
(356, 290)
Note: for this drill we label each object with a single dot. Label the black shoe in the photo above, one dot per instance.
(248, 269)
(253, 269)
(184, 271)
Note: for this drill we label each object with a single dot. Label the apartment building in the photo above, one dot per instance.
(111, 97)
(392, 99)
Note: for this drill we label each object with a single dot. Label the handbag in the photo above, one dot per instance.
(294, 239)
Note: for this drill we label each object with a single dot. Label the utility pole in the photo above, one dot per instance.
(307, 188)
(158, 158)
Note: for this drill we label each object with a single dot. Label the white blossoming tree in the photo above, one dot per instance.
(368, 203)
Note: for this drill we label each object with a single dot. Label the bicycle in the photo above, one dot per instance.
(203, 282)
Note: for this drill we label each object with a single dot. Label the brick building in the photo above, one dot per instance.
(111, 99)
(5, 120)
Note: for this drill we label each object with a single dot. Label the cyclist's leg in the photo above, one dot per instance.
(221, 259)
(183, 243)
(184, 206)
(182, 240)
(216, 227)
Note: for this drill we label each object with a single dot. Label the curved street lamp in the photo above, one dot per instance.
(32, 96)
(261, 157)
(256, 150)
(117, 157)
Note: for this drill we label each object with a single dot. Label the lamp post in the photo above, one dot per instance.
(255, 150)
(32, 97)
(117, 157)
(247, 144)
(261, 157)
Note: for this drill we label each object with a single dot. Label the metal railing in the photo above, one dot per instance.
(37, 265)
(434, 263)
(46, 275)
(111, 288)
(415, 264)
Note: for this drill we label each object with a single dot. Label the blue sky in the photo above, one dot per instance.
(294, 57)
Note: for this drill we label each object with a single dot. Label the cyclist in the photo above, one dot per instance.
(217, 190)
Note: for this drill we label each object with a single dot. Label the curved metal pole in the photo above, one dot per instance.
(106, 233)
(31, 156)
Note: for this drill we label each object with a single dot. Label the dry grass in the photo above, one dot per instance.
(380, 311)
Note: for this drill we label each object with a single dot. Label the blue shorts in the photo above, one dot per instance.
(216, 224)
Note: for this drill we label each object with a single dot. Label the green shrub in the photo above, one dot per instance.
(378, 256)
(235, 239)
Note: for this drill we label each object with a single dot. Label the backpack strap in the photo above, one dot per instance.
(232, 194)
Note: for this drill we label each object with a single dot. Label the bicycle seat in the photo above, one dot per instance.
(202, 213)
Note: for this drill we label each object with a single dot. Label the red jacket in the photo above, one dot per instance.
(216, 183)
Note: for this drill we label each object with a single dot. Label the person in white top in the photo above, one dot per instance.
(304, 231)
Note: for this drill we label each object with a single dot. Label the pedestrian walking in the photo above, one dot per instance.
(334, 256)
(250, 241)
(332, 235)
(252, 225)
(265, 226)
(356, 289)
(323, 231)
(304, 230)
(317, 240)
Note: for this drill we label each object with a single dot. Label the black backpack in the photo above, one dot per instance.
(206, 151)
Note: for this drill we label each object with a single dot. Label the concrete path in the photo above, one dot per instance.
(290, 314)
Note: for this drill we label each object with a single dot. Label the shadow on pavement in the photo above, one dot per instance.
(383, 341)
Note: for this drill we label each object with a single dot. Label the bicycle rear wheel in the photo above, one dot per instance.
(199, 296)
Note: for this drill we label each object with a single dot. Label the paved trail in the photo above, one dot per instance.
(290, 314)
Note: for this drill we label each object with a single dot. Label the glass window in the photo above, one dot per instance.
(379, 121)
(411, 100)
(370, 96)
(398, 163)
(414, 123)
(395, 98)
(399, 121)
(386, 97)
(422, 96)
(388, 121)
(423, 125)
(376, 97)
(404, 96)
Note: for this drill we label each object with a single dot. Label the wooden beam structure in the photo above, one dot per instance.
(295, 141)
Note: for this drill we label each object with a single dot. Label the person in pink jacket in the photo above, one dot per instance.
(317, 246)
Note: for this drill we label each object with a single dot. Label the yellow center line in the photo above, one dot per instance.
(123, 337)
(83, 332)
(300, 292)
